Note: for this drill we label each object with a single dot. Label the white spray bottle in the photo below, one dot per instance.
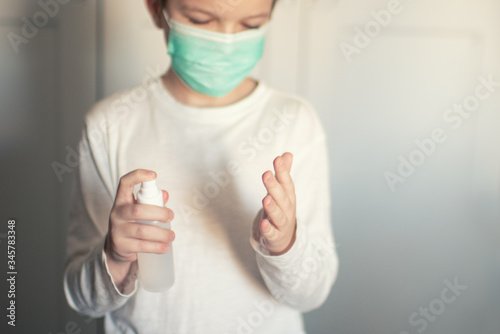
(156, 271)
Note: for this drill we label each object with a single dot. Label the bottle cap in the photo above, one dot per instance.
(146, 185)
(150, 193)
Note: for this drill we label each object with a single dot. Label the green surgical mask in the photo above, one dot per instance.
(210, 62)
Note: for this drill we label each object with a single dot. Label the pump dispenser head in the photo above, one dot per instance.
(149, 185)
(150, 189)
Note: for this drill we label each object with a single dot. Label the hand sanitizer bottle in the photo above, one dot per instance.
(156, 271)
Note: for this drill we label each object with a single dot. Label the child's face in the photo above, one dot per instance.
(225, 16)
(197, 55)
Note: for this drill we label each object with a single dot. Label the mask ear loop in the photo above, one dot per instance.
(167, 18)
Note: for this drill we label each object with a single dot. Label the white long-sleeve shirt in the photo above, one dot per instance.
(211, 162)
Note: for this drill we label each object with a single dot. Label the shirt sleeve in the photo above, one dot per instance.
(302, 277)
(88, 284)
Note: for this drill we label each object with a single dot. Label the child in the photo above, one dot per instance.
(253, 248)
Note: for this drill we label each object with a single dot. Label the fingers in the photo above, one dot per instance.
(127, 215)
(277, 196)
(282, 166)
(127, 236)
(149, 233)
(274, 212)
(279, 203)
(269, 232)
(149, 247)
(125, 192)
(156, 243)
(134, 237)
(165, 196)
(288, 157)
(133, 212)
(276, 190)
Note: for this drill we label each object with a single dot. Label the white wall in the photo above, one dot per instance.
(47, 83)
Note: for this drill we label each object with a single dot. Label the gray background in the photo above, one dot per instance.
(396, 248)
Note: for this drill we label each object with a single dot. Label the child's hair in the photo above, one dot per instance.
(163, 2)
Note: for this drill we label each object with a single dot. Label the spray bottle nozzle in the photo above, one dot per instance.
(149, 189)
(149, 184)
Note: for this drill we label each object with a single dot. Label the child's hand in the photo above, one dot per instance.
(126, 237)
(276, 231)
